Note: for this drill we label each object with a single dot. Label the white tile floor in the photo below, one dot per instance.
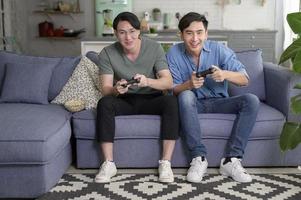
(270, 170)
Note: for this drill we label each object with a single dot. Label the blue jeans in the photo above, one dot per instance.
(244, 106)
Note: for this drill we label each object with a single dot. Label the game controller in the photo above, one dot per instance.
(131, 81)
(204, 73)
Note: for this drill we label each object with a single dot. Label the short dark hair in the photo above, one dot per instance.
(190, 17)
(127, 16)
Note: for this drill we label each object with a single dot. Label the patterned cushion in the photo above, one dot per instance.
(83, 85)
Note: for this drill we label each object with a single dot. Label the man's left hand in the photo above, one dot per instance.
(143, 81)
(218, 74)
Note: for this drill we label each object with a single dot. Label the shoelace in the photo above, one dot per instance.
(195, 162)
(237, 167)
(165, 167)
(104, 167)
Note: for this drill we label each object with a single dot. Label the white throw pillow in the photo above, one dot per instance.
(83, 85)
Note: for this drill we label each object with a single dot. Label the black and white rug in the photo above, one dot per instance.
(146, 186)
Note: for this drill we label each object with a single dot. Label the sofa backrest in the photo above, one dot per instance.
(252, 60)
(93, 56)
(63, 68)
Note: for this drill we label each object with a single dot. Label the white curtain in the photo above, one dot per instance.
(289, 6)
(10, 30)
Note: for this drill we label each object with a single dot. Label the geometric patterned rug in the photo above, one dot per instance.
(146, 186)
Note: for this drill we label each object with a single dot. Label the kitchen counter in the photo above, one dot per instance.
(171, 35)
(159, 38)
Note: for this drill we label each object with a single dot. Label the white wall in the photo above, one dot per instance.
(246, 16)
(249, 15)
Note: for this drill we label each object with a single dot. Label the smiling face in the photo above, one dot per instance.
(127, 35)
(194, 37)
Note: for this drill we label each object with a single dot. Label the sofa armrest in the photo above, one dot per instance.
(279, 86)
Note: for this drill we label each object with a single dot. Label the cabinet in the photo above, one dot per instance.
(249, 40)
(253, 39)
(97, 46)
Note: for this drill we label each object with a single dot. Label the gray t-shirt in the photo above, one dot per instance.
(150, 61)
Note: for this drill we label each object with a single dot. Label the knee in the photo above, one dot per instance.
(105, 102)
(252, 101)
(187, 98)
(171, 102)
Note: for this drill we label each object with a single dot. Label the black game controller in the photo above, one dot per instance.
(204, 73)
(131, 81)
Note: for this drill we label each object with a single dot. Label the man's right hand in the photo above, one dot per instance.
(195, 81)
(119, 88)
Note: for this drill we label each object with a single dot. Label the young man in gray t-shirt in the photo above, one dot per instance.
(142, 60)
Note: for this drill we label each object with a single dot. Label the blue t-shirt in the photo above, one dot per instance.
(181, 66)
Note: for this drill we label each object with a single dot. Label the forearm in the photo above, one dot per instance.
(108, 90)
(163, 83)
(182, 87)
(236, 78)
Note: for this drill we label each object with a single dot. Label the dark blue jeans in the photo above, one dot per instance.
(244, 106)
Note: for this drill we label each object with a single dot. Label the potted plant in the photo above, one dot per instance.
(291, 133)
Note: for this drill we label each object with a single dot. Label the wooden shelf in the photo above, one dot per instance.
(54, 12)
(58, 38)
(50, 13)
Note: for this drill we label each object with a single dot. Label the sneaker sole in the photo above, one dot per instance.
(229, 175)
(104, 181)
(101, 181)
(193, 181)
(166, 180)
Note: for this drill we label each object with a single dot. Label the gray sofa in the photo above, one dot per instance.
(35, 147)
(137, 143)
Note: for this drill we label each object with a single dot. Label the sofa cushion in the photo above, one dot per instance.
(9, 57)
(61, 74)
(93, 56)
(26, 83)
(137, 126)
(252, 59)
(83, 85)
(268, 124)
(63, 68)
(32, 133)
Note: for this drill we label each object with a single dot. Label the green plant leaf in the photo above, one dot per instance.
(294, 20)
(290, 136)
(296, 104)
(298, 86)
(291, 51)
(297, 62)
(295, 138)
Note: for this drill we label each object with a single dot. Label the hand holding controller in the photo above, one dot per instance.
(204, 73)
(130, 82)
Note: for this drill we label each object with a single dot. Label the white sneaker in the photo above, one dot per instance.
(235, 170)
(197, 170)
(106, 171)
(165, 172)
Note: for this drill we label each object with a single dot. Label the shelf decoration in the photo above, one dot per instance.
(263, 2)
(223, 3)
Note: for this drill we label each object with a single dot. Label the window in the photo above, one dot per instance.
(8, 31)
(289, 7)
(2, 30)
